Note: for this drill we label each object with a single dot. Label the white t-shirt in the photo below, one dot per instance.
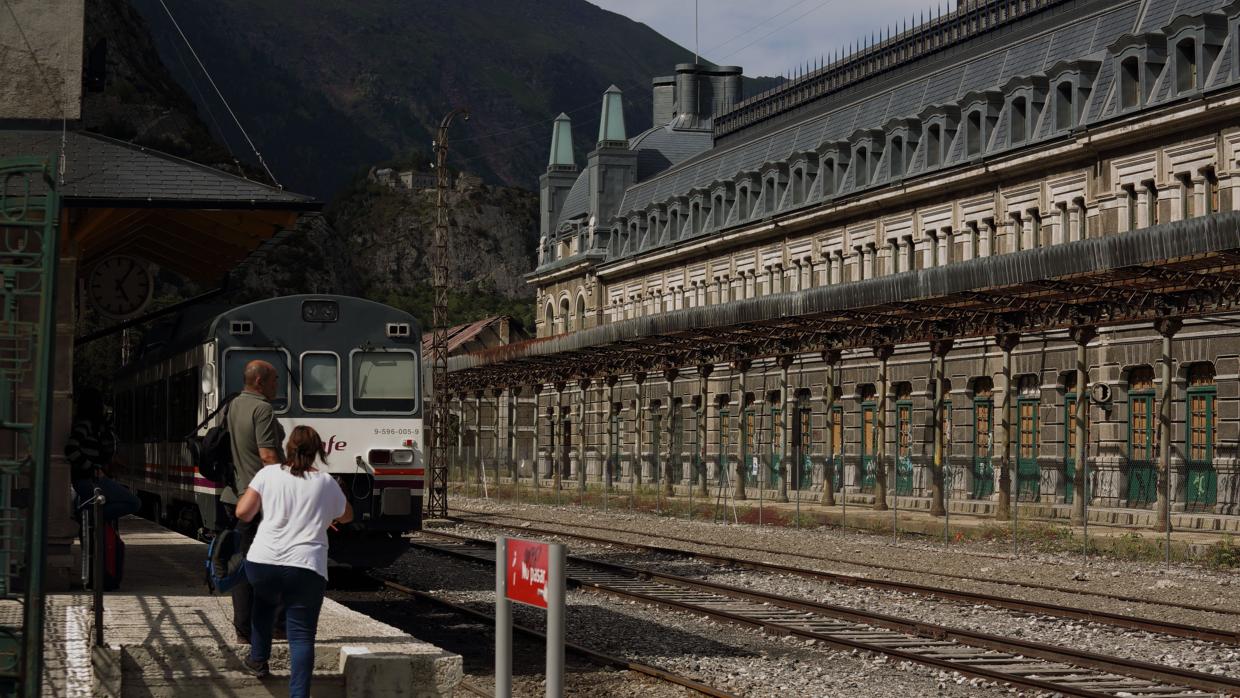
(296, 514)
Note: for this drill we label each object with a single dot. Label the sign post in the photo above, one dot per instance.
(530, 573)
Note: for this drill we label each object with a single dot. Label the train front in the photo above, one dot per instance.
(350, 369)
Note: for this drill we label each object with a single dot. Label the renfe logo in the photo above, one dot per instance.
(527, 572)
(333, 445)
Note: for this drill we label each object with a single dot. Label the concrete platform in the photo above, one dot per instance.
(166, 636)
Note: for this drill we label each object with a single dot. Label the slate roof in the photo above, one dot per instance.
(102, 170)
(1081, 36)
(657, 149)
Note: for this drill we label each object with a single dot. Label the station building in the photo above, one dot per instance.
(1065, 135)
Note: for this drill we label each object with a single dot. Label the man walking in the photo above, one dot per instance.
(256, 440)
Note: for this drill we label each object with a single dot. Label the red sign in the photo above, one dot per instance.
(527, 572)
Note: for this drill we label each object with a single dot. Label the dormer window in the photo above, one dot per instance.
(744, 200)
(897, 156)
(798, 185)
(1129, 83)
(1186, 78)
(828, 177)
(1065, 110)
(716, 211)
(862, 165)
(973, 134)
(1018, 120)
(934, 146)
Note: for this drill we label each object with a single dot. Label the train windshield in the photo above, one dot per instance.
(234, 372)
(385, 381)
(320, 382)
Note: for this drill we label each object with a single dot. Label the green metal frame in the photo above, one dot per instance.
(29, 223)
(904, 461)
(983, 463)
(868, 476)
(1028, 474)
(1201, 479)
(1142, 487)
(613, 458)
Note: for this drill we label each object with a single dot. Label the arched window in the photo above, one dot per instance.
(862, 164)
(742, 200)
(549, 319)
(973, 133)
(716, 211)
(1018, 120)
(579, 319)
(934, 146)
(798, 185)
(1201, 480)
(565, 315)
(1130, 83)
(1065, 116)
(1142, 438)
(983, 438)
(1185, 66)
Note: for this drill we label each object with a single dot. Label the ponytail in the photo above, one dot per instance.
(304, 446)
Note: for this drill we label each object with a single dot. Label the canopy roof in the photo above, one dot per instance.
(1178, 269)
(122, 198)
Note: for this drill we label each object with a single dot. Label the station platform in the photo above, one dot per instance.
(165, 636)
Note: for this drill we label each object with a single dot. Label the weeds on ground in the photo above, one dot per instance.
(1224, 554)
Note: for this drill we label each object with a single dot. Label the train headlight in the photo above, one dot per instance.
(402, 456)
(379, 456)
(208, 379)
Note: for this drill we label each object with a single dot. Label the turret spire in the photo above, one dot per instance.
(561, 143)
(611, 121)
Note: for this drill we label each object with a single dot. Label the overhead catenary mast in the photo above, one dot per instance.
(437, 502)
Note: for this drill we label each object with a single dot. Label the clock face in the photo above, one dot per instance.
(119, 286)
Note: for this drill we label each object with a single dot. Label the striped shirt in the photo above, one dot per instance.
(90, 446)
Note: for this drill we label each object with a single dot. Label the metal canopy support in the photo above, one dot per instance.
(1082, 336)
(938, 349)
(668, 486)
(583, 387)
(785, 436)
(882, 352)
(1003, 509)
(1167, 327)
(831, 358)
(703, 417)
(437, 503)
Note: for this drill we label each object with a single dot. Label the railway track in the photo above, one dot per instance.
(989, 657)
(1230, 637)
(592, 655)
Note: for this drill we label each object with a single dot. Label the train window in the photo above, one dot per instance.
(384, 381)
(320, 382)
(234, 372)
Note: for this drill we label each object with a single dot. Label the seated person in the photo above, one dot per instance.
(90, 450)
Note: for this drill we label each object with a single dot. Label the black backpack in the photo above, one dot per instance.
(211, 453)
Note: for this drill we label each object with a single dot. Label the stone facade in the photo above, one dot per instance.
(1091, 120)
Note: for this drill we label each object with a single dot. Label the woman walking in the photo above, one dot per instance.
(287, 563)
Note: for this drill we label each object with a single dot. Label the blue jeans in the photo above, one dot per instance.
(119, 501)
(301, 592)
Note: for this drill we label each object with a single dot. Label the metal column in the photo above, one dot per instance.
(831, 358)
(1082, 335)
(882, 353)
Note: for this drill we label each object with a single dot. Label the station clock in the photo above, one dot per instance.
(120, 286)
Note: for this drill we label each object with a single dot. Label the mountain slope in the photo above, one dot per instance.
(328, 88)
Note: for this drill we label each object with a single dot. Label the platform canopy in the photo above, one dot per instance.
(1180, 269)
(119, 198)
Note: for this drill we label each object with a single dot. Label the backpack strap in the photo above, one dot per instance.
(222, 406)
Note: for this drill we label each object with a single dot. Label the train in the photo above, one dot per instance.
(350, 368)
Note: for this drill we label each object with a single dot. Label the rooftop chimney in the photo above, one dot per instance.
(561, 157)
(611, 121)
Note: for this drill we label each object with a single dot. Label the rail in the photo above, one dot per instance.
(599, 657)
(1231, 637)
(980, 655)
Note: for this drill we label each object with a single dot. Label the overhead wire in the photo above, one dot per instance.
(798, 18)
(220, 94)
